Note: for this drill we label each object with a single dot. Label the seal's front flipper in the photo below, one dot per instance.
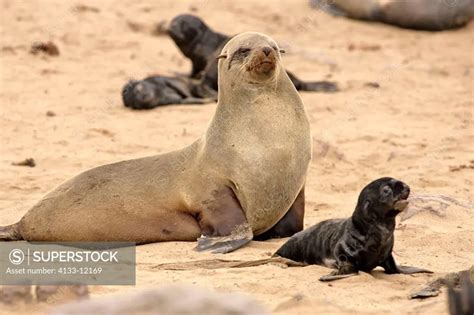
(345, 270)
(223, 223)
(335, 276)
(410, 270)
(225, 244)
(391, 267)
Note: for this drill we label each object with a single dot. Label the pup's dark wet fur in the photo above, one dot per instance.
(361, 242)
(158, 91)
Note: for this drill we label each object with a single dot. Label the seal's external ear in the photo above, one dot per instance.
(366, 205)
(221, 56)
(282, 51)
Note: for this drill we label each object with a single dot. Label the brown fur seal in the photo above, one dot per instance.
(431, 15)
(240, 179)
(361, 242)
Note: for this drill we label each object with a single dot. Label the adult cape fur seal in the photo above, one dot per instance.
(431, 15)
(244, 177)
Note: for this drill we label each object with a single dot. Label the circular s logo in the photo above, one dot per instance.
(16, 256)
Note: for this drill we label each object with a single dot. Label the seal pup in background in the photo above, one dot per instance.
(157, 91)
(242, 178)
(430, 15)
(361, 242)
(201, 44)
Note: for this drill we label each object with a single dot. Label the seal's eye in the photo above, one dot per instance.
(275, 48)
(386, 190)
(243, 51)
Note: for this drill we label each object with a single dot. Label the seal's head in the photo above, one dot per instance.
(251, 57)
(186, 29)
(382, 198)
(143, 94)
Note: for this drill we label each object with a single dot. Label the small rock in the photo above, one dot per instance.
(374, 85)
(27, 162)
(48, 48)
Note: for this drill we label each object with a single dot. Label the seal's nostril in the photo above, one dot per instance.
(266, 50)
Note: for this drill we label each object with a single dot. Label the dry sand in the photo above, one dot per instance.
(418, 127)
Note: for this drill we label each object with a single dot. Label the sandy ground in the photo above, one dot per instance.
(418, 127)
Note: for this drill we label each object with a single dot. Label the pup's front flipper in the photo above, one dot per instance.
(345, 270)
(410, 270)
(391, 267)
(223, 223)
(334, 276)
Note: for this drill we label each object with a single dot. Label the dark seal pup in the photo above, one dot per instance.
(361, 242)
(201, 44)
(161, 90)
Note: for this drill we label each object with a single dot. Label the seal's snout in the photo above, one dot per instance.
(401, 190)
(266, 50)
(263, 62)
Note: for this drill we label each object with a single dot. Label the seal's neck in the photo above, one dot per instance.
(364, 222)
(236, 96)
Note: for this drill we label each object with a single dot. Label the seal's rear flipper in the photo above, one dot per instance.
(10, 233)
(319, 86)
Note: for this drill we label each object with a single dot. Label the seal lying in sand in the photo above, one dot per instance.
(201, 44)
(160, 90)
(431, 15)
(244, 177)
(361, 242)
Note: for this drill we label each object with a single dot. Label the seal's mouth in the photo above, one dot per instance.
(266, 66)
(263, 63)
(401, 205)
(402, 202)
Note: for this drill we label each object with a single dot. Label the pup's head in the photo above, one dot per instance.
(142, 94)
(383, 198)
(252, 57)
(186, 29)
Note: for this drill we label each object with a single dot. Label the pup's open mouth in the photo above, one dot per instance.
(401, 205)
(402, 202)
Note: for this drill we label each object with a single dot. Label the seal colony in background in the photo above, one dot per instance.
(245, 177)
(201, 45)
